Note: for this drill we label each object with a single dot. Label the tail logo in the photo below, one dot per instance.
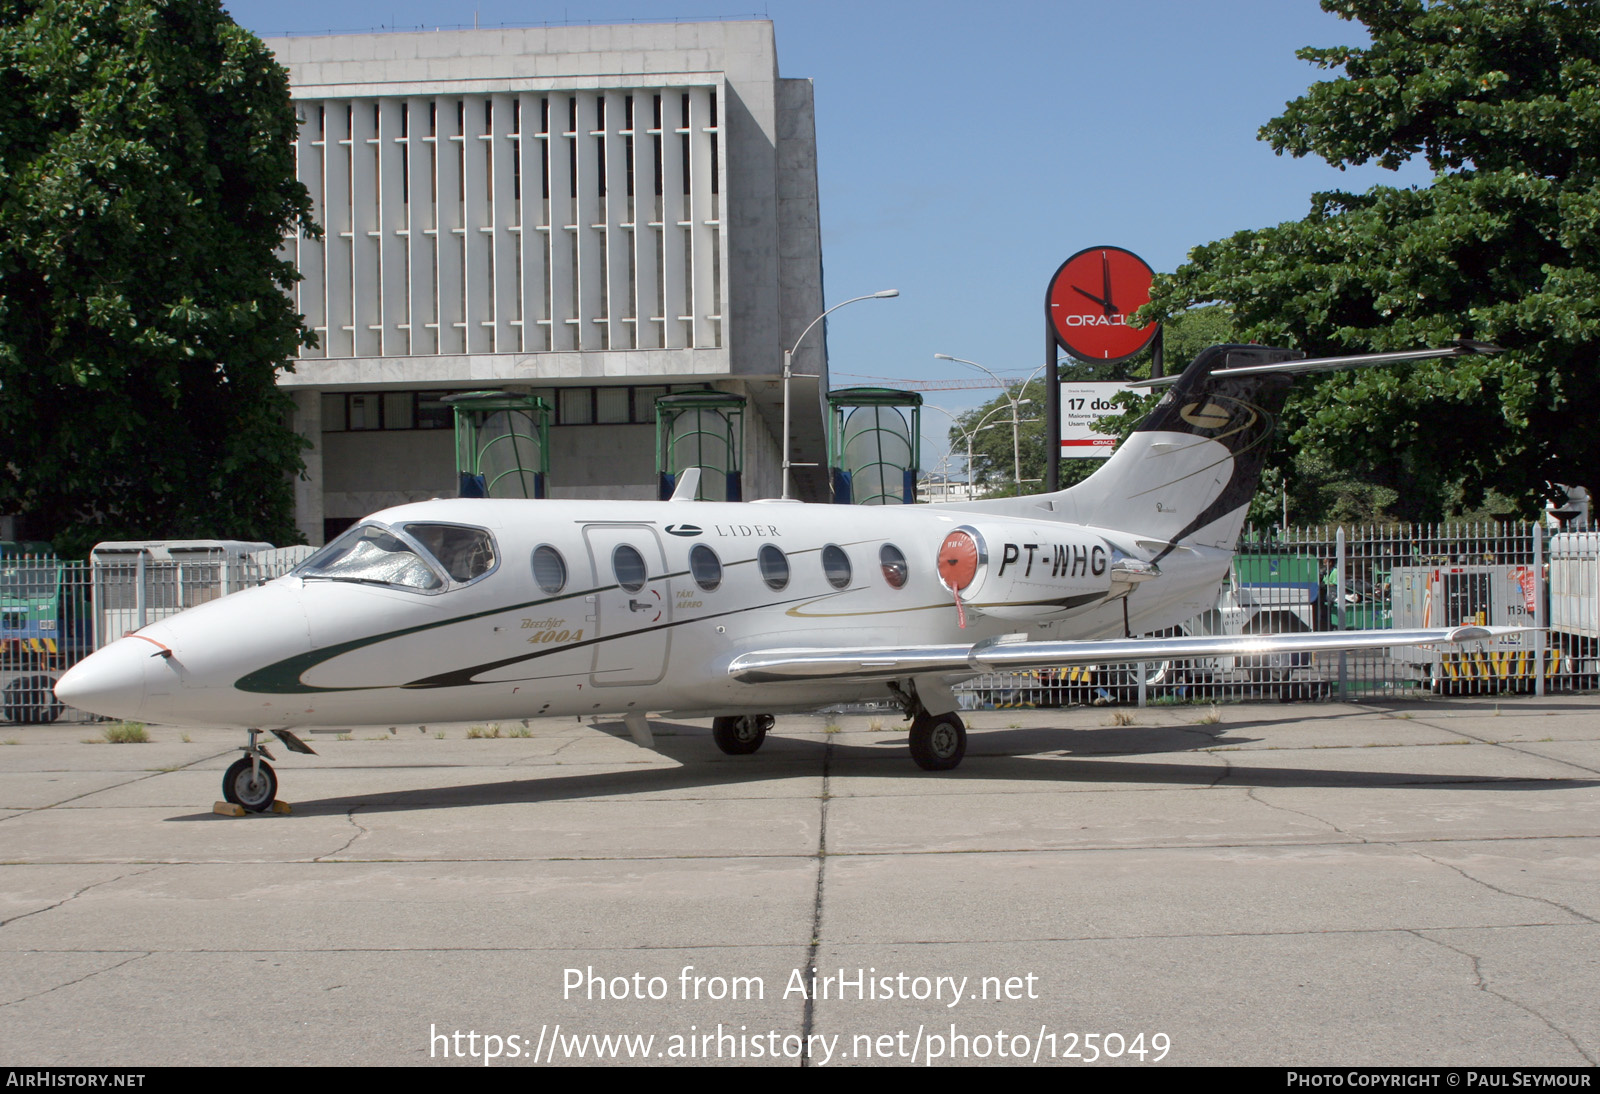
(1209, 416)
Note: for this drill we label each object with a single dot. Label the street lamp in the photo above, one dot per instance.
(1016, 424)
(788, 371)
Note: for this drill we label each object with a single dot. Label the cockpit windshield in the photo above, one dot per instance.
(425, 557)
(373, 554)
(465, 553)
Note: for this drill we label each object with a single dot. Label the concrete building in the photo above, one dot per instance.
(597, 215)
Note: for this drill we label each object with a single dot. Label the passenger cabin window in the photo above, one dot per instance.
(465, 553)
(774, 567)
(894, 565)
(836, 566)
(371, 554)
(549, 569)
(628, 565)
(705, 566)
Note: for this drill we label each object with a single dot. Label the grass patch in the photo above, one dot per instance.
(1121, 718)
(345, 737)
(127, 733)
(520, 731)
(12, 741)
(478, 733)
(188, 740)
(1212, 716)
(439, 735)
(875, 725)
(833, 727)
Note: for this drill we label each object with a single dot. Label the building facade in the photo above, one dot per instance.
(596, 215)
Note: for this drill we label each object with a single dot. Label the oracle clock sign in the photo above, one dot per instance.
(1090, 298)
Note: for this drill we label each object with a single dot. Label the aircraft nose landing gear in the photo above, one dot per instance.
(250, 783)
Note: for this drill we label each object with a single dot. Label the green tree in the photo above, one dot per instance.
(1502, 100)
(146, 183)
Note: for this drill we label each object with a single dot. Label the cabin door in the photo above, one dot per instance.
(631, 606)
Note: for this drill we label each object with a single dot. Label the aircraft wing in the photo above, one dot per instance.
(1012, 652)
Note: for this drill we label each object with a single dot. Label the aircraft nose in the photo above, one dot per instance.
(112, 681)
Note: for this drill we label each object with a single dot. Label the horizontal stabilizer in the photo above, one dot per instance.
(1461, 348)
(1010, 652)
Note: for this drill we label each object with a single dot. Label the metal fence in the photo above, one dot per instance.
(1371, 578)
(54, 612)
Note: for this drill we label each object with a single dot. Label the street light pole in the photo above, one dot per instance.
(1016, 418)
(788, 372)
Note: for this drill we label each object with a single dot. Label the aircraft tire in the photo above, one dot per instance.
(740, 734)
(938, 743)
(241, 787)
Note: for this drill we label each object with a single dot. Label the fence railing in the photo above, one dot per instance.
(1367, 578)
(54, 612)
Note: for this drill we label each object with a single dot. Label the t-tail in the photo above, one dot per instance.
(1188, 471)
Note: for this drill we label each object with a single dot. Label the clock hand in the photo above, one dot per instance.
(1105, 276)
(1091, 296)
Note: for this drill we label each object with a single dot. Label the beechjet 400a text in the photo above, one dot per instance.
(470, 609)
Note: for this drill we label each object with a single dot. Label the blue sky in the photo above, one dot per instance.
(967, 149)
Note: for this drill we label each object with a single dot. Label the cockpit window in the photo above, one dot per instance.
(372, 554)
(465, 553)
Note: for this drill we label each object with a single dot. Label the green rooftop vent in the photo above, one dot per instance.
(874, 442)
(502, 444)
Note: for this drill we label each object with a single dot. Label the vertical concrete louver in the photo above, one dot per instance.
(514, 222)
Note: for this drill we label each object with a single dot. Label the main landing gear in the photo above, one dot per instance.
(250, 782)
(938, 741)
(740, 734)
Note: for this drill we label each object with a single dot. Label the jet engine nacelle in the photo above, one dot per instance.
(1026, 571)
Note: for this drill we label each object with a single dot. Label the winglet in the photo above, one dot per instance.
(688, 485)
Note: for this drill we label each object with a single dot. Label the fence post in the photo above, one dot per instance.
(1144, 685)
(1538, 608)
(1338, 599)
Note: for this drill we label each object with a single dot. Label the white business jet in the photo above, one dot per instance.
(469, 609)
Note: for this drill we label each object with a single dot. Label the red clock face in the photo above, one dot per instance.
(1090, 298)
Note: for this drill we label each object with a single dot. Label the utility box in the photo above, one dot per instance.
(1461, 594)
(137, 583)
(1575, 599)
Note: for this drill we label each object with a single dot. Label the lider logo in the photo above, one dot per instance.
(683, 529)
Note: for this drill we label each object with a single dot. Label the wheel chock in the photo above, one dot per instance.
(228, 809)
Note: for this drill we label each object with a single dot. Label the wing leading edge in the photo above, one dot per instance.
(1008, 652)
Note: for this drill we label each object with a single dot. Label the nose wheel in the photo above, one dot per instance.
(251, 784)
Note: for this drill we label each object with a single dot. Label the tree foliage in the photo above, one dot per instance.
(146, 183)
(1502, 100)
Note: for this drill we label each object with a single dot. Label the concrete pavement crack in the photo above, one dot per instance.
(143, 775)
(1495, 888)
(1483, 985)
(360, 830)
(74, 896)
(79, 980)
(808, 1015)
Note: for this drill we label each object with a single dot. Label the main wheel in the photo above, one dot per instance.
(241, 785)
(938, 743)
(740, 734)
